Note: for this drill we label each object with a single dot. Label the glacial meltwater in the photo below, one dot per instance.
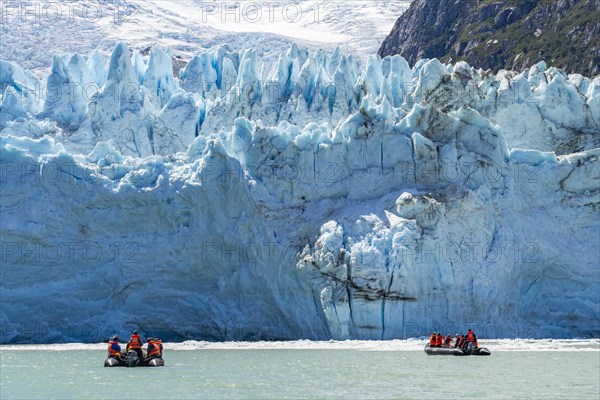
(314, 370)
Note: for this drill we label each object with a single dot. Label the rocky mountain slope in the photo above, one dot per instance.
(510, 34)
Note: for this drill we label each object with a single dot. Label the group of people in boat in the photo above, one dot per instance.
(135, 343)
(462, 341)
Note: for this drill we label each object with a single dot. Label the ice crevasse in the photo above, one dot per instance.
(320, 197)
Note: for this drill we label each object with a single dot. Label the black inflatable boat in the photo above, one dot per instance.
(131, 359)
(451, 351)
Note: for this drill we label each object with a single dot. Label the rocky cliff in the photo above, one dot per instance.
(511, 34)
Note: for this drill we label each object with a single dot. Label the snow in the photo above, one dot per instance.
(30, 31)
(319, 196)
(532, 157)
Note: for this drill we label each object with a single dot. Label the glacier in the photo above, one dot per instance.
(318, 197)
(189, 27)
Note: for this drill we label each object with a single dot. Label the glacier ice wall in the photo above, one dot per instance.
(315, 198)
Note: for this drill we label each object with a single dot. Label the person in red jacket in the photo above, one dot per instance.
(439, 340)
(154, 348)
(135, 343)
(433, 340)
(459, 341)
(470, 338)
(448, 340)
(114, 350)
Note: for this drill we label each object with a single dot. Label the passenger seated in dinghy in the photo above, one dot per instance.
(470, 341)
(448, 341)
(459, 341)
(135, 343)
(433, 340)
(114, 350)
(439, 340)
(154, 348)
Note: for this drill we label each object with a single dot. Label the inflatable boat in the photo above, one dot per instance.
(443, 351)
(131, 359)
(452, 351)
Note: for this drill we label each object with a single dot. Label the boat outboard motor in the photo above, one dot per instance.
(132, 358)
(470, 348)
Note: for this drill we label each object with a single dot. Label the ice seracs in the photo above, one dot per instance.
(21, 93)
(117, 111)
(67, 90)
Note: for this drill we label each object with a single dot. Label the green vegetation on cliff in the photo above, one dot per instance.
(511, 34)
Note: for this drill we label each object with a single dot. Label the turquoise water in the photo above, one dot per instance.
(302, 373)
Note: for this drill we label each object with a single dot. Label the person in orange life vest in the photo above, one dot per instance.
(114, 350)
(135, 343)
(150, 348)
(471, 338)
(433, 340)
(447, 340)
(154, 348)
(439, 340)
(459, 341)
